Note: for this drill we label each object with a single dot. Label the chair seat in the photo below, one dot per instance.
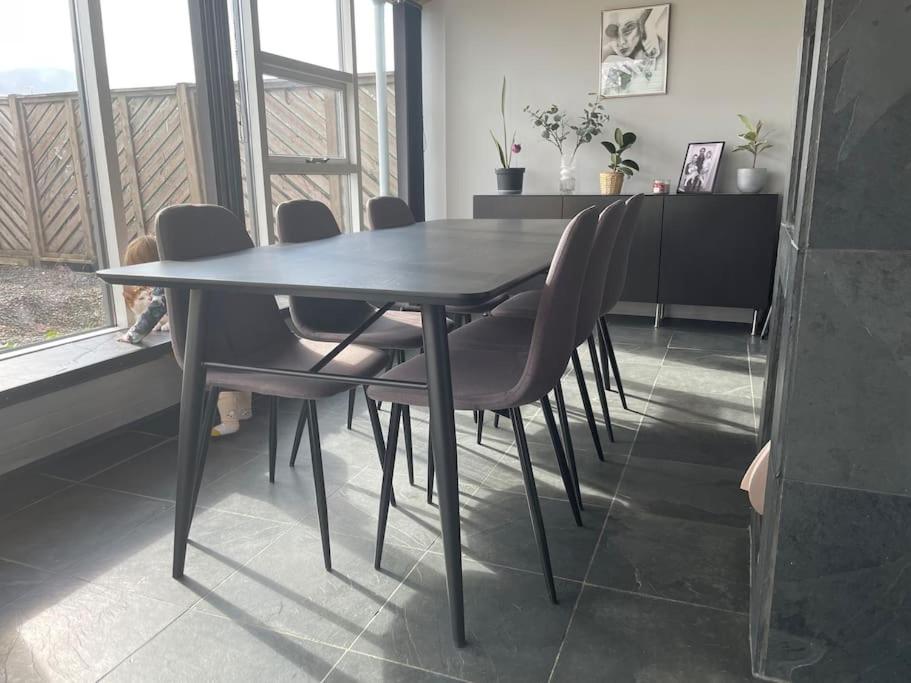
(300, 354)
(495, 333)
(394, 330)
(522, 305)
(481, 379)
(479, 308)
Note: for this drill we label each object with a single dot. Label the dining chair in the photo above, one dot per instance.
(249, 330)
(613, 290)
(332, 320)
(515, 331)
(504, 380)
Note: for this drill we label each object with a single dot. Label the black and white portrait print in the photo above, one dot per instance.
(634, 51)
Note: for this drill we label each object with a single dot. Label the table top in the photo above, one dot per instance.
(446, 262)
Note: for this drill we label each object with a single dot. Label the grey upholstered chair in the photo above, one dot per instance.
(506, 379)
(392, 212)
(248, 329)
(501, 331)
(613, 289)
(331, 320)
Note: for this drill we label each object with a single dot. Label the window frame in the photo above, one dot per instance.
(253, 65)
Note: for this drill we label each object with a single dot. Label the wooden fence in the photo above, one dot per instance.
(45, 206)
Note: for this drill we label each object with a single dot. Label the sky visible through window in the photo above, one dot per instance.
(148, 41)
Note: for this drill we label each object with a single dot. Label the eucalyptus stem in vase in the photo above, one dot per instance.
(569, 135)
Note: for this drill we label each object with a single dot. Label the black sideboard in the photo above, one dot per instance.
(693, 249)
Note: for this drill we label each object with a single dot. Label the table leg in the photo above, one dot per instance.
(443, 440)
(191, 405)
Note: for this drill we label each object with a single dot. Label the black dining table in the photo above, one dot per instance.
(432, 264)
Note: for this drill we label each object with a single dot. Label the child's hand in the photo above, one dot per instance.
(125, 338)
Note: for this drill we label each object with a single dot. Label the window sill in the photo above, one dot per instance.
(44, 370)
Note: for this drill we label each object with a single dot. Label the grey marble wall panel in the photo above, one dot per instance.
(841, 609)
(862, 194)
(848, 421)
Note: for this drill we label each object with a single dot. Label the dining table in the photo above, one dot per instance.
(429, 265)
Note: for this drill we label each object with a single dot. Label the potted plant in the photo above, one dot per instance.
(751, 180)
(509, 179)
(556, 129)
(620, 168)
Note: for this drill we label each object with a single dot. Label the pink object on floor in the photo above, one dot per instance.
(755, 478)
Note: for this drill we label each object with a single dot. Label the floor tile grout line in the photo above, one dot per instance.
(110, 467)
(752, 389)
(601, 586)
(42, 499)
(607, 517)
(471, 491)
(193, 604)
(406, 665)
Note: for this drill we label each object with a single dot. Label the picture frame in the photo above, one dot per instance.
(699, 174)
(634, 51)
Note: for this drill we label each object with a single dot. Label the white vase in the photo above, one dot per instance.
(751, 180)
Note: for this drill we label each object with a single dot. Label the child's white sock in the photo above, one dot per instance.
(226, 428)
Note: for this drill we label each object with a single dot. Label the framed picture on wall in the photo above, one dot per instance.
(634, 51)
(700, 167)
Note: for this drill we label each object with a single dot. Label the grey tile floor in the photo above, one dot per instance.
(653, 587)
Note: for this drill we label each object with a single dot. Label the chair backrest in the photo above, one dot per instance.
(616, 271)
(304, 220)
(599, 261)
(554, 333)
(388, 212)
(236, 324)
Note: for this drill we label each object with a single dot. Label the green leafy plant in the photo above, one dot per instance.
(557, 129)
(507, 147)
(621, 142)
(753, 141)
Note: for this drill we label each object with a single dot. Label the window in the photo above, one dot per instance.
(303, 31)
(376, 61)
(154, 104)
(300, 101)
(48, 245)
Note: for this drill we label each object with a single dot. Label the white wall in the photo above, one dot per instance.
(725, 57)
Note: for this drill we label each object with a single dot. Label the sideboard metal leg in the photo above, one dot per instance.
(755, 329)
(659, 314)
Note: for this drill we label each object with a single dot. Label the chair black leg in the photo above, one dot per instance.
(429, 472)
(273, 436)
(613, 363)
(587, 404)
(377, 428)
(409, 452)
(299, 432)
(406, 427)
(352, 394)
(322, 510)
(496, 420)
(480, 425)
(210, 403)
(568, 440)
(388, 471)
(602, 349)
(534, 506)
(568, 484)
(599, 383)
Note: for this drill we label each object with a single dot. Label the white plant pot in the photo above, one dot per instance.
(751, 180)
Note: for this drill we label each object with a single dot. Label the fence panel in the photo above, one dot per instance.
(15, 242)
(44, 205)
